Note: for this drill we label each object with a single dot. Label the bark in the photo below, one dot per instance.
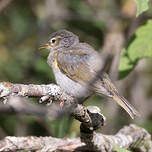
(130, 137)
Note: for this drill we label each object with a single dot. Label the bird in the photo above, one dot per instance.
(76, 66)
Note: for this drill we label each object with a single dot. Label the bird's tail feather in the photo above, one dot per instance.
(104, 86)
(126, 105)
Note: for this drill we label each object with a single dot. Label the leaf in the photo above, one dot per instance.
(118, 149)
(142, 6)
(139, 47)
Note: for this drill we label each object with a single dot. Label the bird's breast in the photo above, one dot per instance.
(69, 86)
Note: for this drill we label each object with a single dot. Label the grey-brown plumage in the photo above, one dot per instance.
(76, 64)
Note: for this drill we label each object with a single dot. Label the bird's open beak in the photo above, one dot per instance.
(46, 46)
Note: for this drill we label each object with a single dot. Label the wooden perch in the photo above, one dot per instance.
(130, 137)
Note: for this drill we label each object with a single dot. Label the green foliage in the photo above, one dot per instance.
(139, 47)
(142, 6)
(118, 149)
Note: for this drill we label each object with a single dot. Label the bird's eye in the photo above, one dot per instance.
(53, 41)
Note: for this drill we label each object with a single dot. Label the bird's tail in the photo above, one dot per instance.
(126, 105)
(104, 86)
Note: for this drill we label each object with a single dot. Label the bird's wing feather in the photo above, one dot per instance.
(75, 65)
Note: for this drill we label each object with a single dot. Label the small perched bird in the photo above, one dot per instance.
(76, 66)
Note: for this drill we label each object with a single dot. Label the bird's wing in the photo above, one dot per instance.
(75, 65)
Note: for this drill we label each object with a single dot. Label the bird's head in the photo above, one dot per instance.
(60, 40)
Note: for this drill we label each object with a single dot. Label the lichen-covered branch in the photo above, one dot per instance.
(50, 90)
(42, 144)
(128, 137)
(52, 93)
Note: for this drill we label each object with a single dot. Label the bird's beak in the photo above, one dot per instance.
(46, 46)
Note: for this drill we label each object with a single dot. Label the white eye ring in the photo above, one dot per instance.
(53, 41)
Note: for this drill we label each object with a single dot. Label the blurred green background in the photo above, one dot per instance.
(25, 25)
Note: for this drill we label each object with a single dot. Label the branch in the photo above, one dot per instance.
(53, 93)
(128, 137)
